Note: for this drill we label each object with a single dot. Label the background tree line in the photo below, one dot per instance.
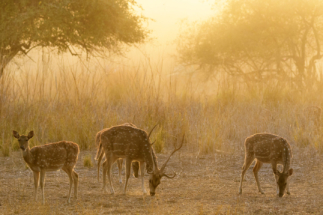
(259, 41)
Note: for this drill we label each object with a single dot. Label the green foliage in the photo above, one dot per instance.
(259, 40)
(87, 161)
(67, 25)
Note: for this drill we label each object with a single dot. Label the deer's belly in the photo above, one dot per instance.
(264, 159)
(51, 168)
(51, 164)
(269, 159)
(34, 168)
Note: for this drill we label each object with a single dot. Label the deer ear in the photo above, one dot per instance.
(276, 172)
(16, 134)
(290, 172)
(30, 134)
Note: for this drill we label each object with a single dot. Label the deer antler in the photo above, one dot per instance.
(152, 130)
(167, 176)
(150, 134)
(175, 150)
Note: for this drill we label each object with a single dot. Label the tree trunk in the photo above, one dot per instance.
(4, 60)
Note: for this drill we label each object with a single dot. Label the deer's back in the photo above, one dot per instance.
(125, 141)
(55, 155)
(267, 147)
(98, 135)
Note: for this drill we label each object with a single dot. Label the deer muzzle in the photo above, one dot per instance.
(152, 193)
(22, 147)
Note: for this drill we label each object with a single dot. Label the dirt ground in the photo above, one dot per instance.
(204, 185)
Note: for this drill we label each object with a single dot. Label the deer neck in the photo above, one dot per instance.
(154, 159)
(28, 157)
(286, 159)
(148, 156)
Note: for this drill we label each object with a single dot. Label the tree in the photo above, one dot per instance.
(259, 40)
(93, 26)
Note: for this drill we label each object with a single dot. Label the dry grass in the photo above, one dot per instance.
(73, 103)
(63, 102)
(205, 185)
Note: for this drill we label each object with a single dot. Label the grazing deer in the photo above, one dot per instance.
(50, 157)
(135, 165)
(132, 144)
(268, 148)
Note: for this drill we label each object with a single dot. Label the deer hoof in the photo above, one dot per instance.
(240, 191)
(288, 193)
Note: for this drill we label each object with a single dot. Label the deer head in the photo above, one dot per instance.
(282, 180)
(23, 139)
(157, 174)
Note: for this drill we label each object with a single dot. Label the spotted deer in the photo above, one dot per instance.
(268, 148)
(135, 165)
(132, 144)
(50, 157)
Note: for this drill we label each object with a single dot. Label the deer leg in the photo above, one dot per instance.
(76, 183)
(287, 187)
(142, 172)
(110, 161)
(70, 175)
(247, 162)
(274, 167)
(135, 168)
(256, 169)
(128, 165)
(119, 162)
(36, 182)
(42, 184)
(104, 173)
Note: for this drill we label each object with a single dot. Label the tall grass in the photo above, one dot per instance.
(73, 102)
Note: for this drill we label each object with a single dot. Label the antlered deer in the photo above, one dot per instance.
(268, 148)
(50, 157)
(132, 144)
(135, 165)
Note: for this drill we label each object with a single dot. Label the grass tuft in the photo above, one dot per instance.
(87, 161)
